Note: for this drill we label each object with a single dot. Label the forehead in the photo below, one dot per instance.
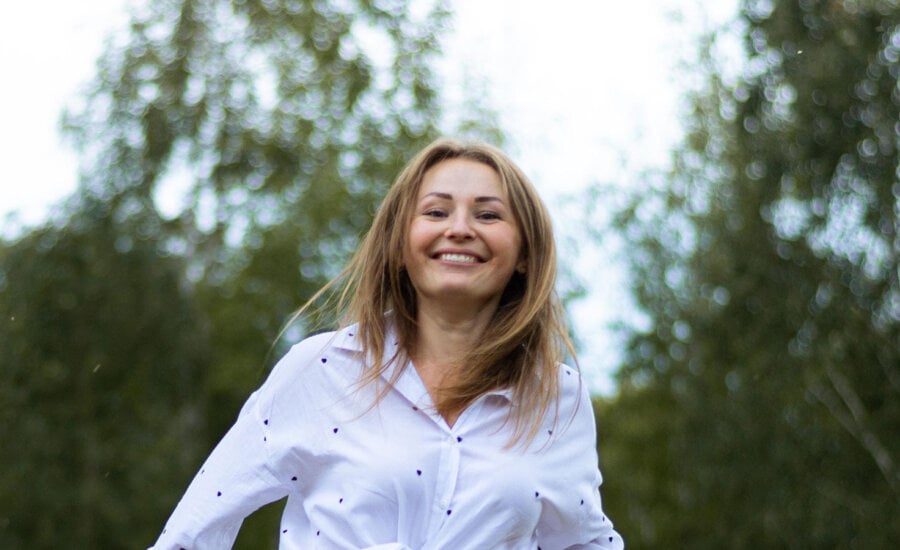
(462, 176)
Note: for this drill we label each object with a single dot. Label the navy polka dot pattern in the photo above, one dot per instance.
(311, 434)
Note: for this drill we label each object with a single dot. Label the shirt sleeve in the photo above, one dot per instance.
(241, 474)
(572, 514)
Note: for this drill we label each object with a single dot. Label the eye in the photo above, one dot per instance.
(488, 215)
(434, 213)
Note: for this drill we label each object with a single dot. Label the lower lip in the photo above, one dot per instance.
(451, 262)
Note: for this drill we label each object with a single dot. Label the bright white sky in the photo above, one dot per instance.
(581, 88)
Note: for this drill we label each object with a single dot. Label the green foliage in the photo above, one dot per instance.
(760, 406)
(280, 123)
(133, 329)
(102, 354)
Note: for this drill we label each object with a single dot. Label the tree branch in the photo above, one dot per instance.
(847, 408)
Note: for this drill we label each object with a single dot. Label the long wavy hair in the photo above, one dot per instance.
(525, 341)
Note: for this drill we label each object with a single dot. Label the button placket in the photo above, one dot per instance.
(448, 472)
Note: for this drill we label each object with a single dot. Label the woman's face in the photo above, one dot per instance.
(463, 243)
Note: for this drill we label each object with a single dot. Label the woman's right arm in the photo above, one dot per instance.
(234, 481)
(243, 472)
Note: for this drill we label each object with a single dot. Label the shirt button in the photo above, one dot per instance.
(444, 504)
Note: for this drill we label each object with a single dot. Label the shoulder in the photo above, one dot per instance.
(575, 407)
(318, 345)
(565, 372)
(572, 386)
(304, 357)
(305, 351)
(315, 368)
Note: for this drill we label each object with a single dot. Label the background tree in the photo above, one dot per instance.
(280, 123)
(102, 355)
(134, 325)
(760, 404)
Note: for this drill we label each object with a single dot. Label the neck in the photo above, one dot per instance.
(445, 334)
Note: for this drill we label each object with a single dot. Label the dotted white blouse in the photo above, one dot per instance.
(394, 476)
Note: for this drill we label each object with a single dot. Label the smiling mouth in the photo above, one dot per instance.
(458, 258)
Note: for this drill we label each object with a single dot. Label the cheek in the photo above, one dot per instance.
(410, 239)
(410, 242)
(416, 243)
(515, 245)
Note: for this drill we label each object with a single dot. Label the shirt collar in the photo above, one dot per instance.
(348, 338)
(505, 393)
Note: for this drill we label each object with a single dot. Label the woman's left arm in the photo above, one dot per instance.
(572, 514)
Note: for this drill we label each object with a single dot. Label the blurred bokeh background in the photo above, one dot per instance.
(725, 181)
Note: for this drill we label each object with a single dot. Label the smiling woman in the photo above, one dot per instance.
(440, 415)
(464, 243)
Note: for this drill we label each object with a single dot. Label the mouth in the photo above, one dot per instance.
(457, 258)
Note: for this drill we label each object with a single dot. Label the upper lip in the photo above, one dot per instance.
(457, 251)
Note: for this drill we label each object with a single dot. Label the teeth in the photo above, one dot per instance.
(460, 258)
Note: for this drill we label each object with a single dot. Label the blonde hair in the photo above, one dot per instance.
(523, 344)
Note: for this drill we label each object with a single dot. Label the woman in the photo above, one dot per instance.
(440, 416)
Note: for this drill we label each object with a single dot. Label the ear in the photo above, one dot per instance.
(521, 266)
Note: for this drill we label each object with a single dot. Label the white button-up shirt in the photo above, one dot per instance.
(396, 475)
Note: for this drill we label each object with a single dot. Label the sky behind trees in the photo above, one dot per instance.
(586, 93)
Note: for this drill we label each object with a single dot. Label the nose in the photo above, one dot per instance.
(460, 226)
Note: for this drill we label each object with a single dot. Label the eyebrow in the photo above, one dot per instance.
(448, 196)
